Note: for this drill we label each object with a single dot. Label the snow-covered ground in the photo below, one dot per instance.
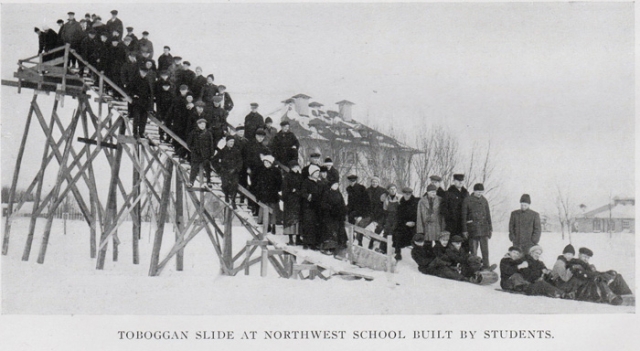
(68, 283)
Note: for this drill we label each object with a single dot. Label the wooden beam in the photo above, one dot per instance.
(157, 242)
(94, 142)
(179, 209)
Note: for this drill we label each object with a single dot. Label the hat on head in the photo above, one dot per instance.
(229, 137)
(443, 235)
(59, 21)
(458, 176)
(315, 154)
(145, 33)
(200, 103)
(201, 120)
(114, 12)
(478, 187)
(569, 249)
(515, 248)
(177, 58)
(585, 251)
(352, 177)
(535, 248)
(324, 169)
(457, 239)
(211, 76)
(407, 190)
(167, 47)
(217, 98)
(260, 131)
(375, 178)
(525, 198)
(129, 29)
(92, 31)
(391, 186)
(418, 238)
(71, 13)
(431, 187)
(435, 178)
(239, 127)
(36, 29)
(268, 120)
(313, 169)
(284, 123)
(187, 63)
(87, 14)
(293, 163)
(184, 87)
(254, 104)
(222, 87)
(328, 160)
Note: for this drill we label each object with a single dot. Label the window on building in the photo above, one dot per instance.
(597, 225)
(626, 224)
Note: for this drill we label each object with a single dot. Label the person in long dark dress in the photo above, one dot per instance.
(268, 185)
(291, 190)
(406, 226)
(311, 198)
(334, 213)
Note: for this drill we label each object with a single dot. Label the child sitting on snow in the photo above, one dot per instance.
(597, 286)
(525, 273)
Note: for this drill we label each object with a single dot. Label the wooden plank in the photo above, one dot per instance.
(157, 242)
(136, 214)
(14, 181)
(94, 142)
(173, 135)
(227, 244)
(179, 215)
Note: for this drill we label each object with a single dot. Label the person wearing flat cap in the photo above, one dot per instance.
(187, 76)
(252, 158)
(179, 119)
(314, 159)
(605, 287)
(285, 144)
(358, 205)
(452, 207)
(115, 24)
(269, 130)
(291, 198)
(145, 44)
(141, 92)
(209, 90)
(476, 223)
(334, 210)
(166, 59)
(430, 222)
(407, 215)
(72, 34)
(219, 117)
(201, 144)
(333, 175)
(253, 121)
(524, 225)
(199, 112)
(164, 93)
(88, 47)
(227, 102)
(376, 192)
(228, 164)
(436, 181)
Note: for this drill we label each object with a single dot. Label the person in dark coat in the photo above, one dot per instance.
(60, 42)
(524, 225)
(228, 163)
(434, 261)
(141, 91)
(88, 48)
(201, 145)
(291, 187)
(476, 223)
(133, 37)
(390, 207)
(115, 24)
(421, 254)
(175, 71)
(285, 145)
(164, 94)
(311, 212)
(359, 205)
(595, 286)
(208, 91)
(252, 160)
(252, 121)
(151, 67)
(165, 60)
(509, 266)
(227, 103)
(333, 175)
(314, 159)
(375, 192)
(241, 144)
(534, 271)
(50, 38)
(40, 40)
(452, 207)
(130, 46)
(100, 27)
(129, 69)
(198, 83)
(187, 75)
(268, 185)
(145, 45)
(467, 265)
(406, 226)
(102, 54)
(334, 212)
(219, 117)
(198, 113)
(179, 121)
(72, 34)
(269, 130)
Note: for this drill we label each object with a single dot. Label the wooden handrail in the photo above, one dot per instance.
(113, 85)
(28, 59)
(367, 232)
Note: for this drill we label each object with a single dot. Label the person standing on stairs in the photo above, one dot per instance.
(291, 186)
(141, 91)
(268, 185)
(200, 142)
(228, 163)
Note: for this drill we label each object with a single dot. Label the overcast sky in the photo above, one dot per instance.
(550, 84)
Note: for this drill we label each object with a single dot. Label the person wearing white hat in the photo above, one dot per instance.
(311, 194)
(268, 185)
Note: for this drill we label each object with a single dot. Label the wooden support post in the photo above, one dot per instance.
(179, 208)
(247, 258)
(350, 233)
(64, 75)
(390, 251)
(100, 94)
(227, 248)
(112, 209)
(14, 181)
(135, 218)
(93, 193)
(263, 235)
(62, 172)
(164, 204)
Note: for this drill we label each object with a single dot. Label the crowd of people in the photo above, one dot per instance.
(445, 228)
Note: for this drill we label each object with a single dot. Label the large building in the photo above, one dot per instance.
(354, 147)
(617, 217)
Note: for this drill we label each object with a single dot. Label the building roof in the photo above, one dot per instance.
(344, 102)
(315, 104)
(301, 96)
(624, 210)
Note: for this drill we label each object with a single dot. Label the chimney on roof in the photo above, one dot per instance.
(345, 109)
(301, 103)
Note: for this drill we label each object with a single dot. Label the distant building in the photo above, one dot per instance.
(617, 217)
(354, 147)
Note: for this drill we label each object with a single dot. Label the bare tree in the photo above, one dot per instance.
(439, 156)
(566, 211)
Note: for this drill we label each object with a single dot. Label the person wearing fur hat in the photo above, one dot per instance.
(375, 192)
(268, 185)
(285, 144)
(252, 159)
(359, 205)
(333, 175)
(334, 212)
(291, 198)
(607, 287)
(311, 195)
(429, 221)
(476, 224)
(524, 225)
(452, 206)
(228, 164)
(390, 202)
(201, 144)
(406, 217)
(253, 121)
